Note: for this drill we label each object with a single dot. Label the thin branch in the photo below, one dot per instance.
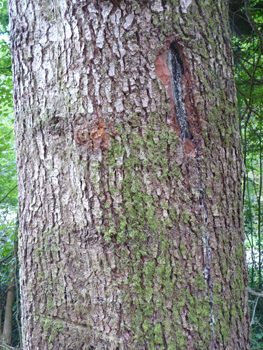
(237, 57)
(7, 194)
(4, 55)
(247, 103)
(254, 310)
(256, 30)
(254, 178)
(253, 24)
(254, 132)
(245, 60)
(5, 259)
(7, 347)
(1, 138)
(253, 292)
(243, 115)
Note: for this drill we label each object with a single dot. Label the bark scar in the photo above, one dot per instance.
(176, 68)
(94, 138)
(169, 68)
(99, 137)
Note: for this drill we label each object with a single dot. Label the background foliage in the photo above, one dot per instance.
(246, 18)
(7, 152)
(8, 183)
(246, 21)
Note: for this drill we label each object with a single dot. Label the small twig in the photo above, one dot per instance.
(250, 63)
(4, 55)
(6, 258)
(253, 24)
(7, 194)
(1, 138)
(256, 30)
(255, 133)
(7, 347)
(247, 103)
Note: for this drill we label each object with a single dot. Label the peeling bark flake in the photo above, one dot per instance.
(185, 4)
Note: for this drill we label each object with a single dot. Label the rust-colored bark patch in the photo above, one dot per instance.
(95, 138)
(99, 137)
(163, 73)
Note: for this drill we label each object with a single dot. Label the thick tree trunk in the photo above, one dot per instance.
(129, 163)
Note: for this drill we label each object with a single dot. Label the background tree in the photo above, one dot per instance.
(247, 22)
(7, 152)
(9, 329)
(129, 171)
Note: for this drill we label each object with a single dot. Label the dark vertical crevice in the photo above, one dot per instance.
(176, 67)
(163, 3)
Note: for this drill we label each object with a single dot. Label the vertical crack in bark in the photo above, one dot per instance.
(206, 246)
(176, 67)
(173, 86)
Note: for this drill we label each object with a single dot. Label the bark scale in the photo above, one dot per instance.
(129, 165)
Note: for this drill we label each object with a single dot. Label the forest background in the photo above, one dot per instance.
(246, 22)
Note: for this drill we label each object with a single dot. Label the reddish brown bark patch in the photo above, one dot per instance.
(95, 138)
(163, 73)
(99, 137)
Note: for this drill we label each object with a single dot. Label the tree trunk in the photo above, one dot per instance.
(129, 172)
(10, 299)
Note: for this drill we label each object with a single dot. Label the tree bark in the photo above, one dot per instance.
(129, 173)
